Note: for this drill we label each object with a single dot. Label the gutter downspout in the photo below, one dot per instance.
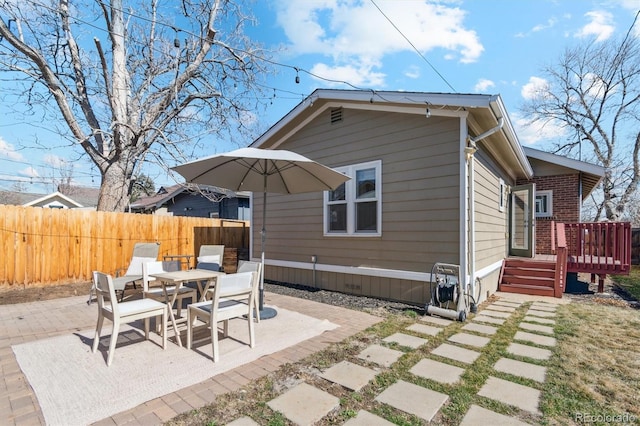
(469, 151)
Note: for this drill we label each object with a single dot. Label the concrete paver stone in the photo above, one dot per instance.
(495, 314)
(470, 340)
(548, 321)
(480, 328)
(380, 355)
(407, 340)
(294, 404)
(413, 399)
(529, 351)
(507, 392)
(436, 320)
(365, 418)
(488, 319)
(544, 307)
(501, 308)
(437, 371)
(424, 329)
(536, 327)
(535, 338)
(521, 369)
(481, 416)
(351, 376)
(543, 314)
(456, 353)
(507, 303)
(243, 421)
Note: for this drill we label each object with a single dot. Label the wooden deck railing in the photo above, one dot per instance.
(599, 248)
(559, 244)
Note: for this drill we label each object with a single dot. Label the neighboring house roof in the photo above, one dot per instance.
(86, 196)
(166, 194)
(485, 112)
(590, 174)
(54, 200)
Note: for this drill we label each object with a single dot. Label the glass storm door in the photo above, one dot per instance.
(522, 221)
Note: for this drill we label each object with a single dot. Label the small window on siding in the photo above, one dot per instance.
(544, 203)
(336, 115)
(502, 196)
(355, 207)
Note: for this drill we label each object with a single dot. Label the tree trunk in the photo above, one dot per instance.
(114, 191)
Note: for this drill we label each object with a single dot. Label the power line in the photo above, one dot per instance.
(414, 47)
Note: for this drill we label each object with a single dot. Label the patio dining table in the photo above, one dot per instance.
(204, 279)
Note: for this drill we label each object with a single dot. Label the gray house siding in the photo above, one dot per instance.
(420, 203)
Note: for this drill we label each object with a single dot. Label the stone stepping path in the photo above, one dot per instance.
(501, 308)
(469, 340)
(521, 369)
(243, 421)
(481, 416)
(407, 340)
(294, 404)
(542, 314)
(424, 329)
(351, 376)
(380, 355)
(413, 399)
(436, 320)
(479, 328)
(529, 351)
(536, 327)
(456, 353)
(507, 303)
(535, 338)
(488, 319)
(523, 397)
(437, 371)
(495, 314)
(365, 418)
(528, 318)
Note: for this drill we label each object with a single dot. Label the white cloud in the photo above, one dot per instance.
(600, 26)
(534, 133)
(412, 72)
(357, 76)
(55, 161)
(534, 88)
(8, 151)
(541, 27)
(28, 172)
(483, 85)
(357, 36)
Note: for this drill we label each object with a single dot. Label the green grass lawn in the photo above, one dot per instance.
(631, 282)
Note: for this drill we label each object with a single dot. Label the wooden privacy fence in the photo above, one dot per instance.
(43, 246)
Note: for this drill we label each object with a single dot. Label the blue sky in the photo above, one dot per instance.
(480, 46)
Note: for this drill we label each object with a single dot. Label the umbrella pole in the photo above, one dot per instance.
(265, 313)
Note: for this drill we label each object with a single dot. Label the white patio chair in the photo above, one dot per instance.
(125, 312)
(249, 266)
(233, 297)
(211, 257)
(142, 252)
(156, 292)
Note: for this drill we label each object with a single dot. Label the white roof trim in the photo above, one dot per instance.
(570, 163)
(51, 196)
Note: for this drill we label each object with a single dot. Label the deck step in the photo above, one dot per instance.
(527, 289)
(528, 280)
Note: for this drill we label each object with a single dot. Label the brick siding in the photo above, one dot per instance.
(566, 205)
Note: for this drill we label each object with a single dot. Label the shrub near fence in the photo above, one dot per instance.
(43, 246)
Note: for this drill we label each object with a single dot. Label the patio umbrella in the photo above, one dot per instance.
(262, 170)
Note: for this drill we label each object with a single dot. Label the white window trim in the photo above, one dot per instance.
(549, 212)
(502, 196)
(350, 192)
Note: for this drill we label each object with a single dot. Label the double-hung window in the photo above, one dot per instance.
(355, 207)
(544, 203)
